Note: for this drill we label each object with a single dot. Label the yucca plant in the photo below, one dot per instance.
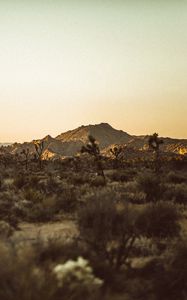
(116, 151)
(39, 148)
(92, 148)
(154, 143)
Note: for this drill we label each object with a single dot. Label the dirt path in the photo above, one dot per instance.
(29, 232)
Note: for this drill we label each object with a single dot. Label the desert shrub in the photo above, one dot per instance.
(43, 211)
(150, 184)
(6, 230)
(160, 220)
(139, 288)
(33, 181)
(32, 195)
(109, 231)
(177, 193)
(135, 198)
(121, 175)
(176, 178)
(67, 200)
(20, 180)
(21, 277)
(50, 185)
(79, 179)
(8, 211)
(98, 181)
(171, 282)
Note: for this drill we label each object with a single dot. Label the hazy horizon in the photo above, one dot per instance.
(70, 63)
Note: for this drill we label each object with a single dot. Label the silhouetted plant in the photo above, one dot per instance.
(39, 148)
(116, 151)
(154, 143)
(92, 148)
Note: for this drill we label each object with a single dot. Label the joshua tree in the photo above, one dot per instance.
(92, 148)
(39, 147)
(26, 152)
(154, 144)
(116, 151)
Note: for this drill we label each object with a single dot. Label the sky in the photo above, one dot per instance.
(64, 64)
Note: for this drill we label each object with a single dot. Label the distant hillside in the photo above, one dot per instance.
(70, 142)
(5, 144)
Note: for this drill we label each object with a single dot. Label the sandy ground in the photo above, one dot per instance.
(28, 232)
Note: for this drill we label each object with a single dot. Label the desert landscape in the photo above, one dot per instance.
(117, 203)
(93, 150)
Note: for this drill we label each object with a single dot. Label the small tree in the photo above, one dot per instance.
(154, 143)
(116, 151)
(39, 148)
(92, 148)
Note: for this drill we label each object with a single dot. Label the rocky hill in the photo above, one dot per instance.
(69, 143)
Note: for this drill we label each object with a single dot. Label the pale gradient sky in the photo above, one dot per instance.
(68, 63)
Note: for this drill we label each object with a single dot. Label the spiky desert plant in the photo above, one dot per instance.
(154, 143)
(39, 148)
(116, 151)
(92, 148)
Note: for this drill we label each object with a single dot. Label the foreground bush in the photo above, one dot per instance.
(109, 231)
(112, 230)
(23, 278)
(171, 283)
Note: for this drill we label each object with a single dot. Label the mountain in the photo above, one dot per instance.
(103, 133)
(69, 143)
